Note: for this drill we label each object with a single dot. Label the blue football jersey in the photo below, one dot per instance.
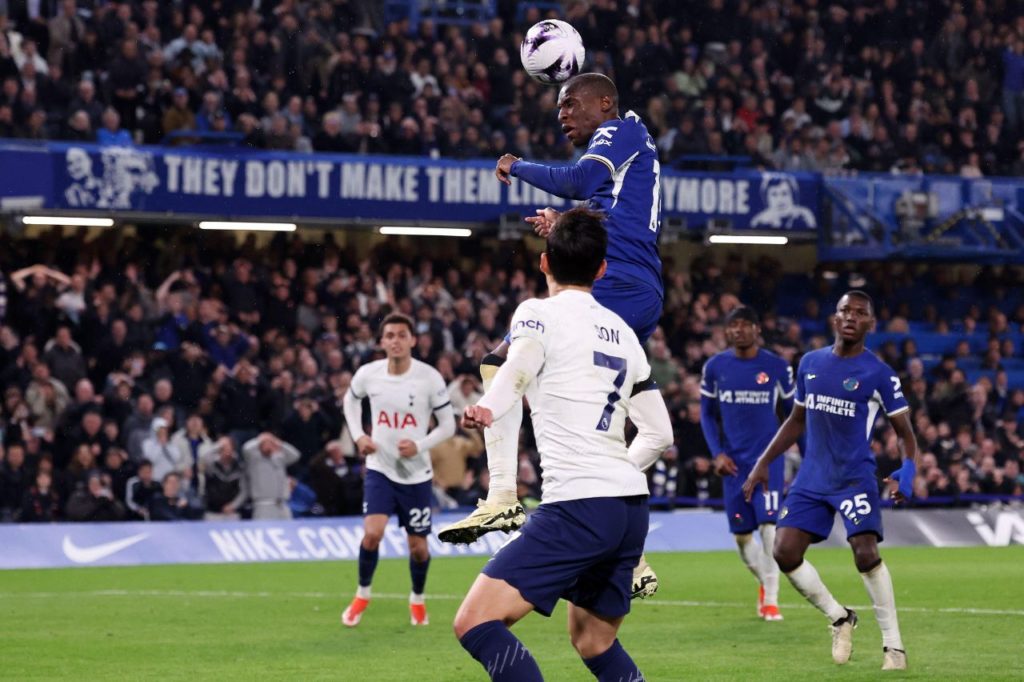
(631, 200)
(744, 395)
(842, 397)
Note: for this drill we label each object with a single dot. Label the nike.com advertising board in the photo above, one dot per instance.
(132, 544)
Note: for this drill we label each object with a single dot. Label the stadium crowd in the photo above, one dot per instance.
(792, 85)
(174, 376)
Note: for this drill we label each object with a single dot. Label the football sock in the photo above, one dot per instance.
(769, 569)
(502, 442)
(418, 571)
(879, 585)
(808, 583)
(367, 565)
(614, 665)
(501, 654)
(750, 553)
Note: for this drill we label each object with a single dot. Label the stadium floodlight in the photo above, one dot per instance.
(765, 240)
(426, 231)
(246, 226)
(74, 221)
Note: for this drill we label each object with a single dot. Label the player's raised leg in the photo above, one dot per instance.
(501, 510)
(373, 532)
(595, 638)
(482, 627)
(878, 582)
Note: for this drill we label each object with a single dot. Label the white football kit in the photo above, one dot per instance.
(400, 407)
(581, 395)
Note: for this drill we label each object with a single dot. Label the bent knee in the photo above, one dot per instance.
(866, 559)
(462, 624)
(787, 559)
(589, 645)
(371, 541)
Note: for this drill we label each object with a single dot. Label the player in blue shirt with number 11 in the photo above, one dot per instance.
(839, 391)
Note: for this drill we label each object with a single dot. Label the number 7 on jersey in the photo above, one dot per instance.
(616, 364)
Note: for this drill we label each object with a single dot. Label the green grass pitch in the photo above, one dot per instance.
(961, 611)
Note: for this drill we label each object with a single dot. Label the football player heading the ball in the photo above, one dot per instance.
(618, 175)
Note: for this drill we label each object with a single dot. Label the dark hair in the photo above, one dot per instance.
(862, 295)
(594, 84)
(742, 312)
(577, 246)
(397, 318)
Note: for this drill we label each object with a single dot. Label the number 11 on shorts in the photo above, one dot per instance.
(771, 500)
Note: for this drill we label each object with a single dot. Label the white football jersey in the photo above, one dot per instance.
(580, 399)
(400, 407)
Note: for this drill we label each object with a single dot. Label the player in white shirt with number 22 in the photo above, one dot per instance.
(404, 393)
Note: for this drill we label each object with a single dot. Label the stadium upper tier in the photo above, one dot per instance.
(904, 86)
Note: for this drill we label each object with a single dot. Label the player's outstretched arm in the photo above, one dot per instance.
(649, 414)
(783, 440)
(904, 476)
(577, 181)
(525, 359)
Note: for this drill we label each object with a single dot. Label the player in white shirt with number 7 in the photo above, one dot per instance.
(583, 372)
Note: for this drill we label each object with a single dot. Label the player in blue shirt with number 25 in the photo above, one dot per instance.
(839, 391)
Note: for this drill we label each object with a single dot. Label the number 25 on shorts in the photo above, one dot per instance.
(858, 504)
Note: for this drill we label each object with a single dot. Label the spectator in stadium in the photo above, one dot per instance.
(224, 481)
(40, 503)
(94, 502)
(173, 502)
(111, 132)
(179, 116)
(336, 481)
(140, 490)
(64, 358)
(309, 429)
(161, 453)
(266, 461)
(188, 444)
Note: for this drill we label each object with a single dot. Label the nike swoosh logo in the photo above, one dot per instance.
(88, 555)
(811, 376)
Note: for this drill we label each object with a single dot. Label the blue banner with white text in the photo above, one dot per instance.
(239, 183)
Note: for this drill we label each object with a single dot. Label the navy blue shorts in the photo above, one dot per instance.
(815, 512)
(583, 551)
(639, 306)
(411, 503)
(743, 516)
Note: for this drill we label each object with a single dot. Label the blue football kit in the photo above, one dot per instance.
(619, 175)
(842, 398)
(739, 416)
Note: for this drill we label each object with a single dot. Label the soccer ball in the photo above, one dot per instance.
(552, 51)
